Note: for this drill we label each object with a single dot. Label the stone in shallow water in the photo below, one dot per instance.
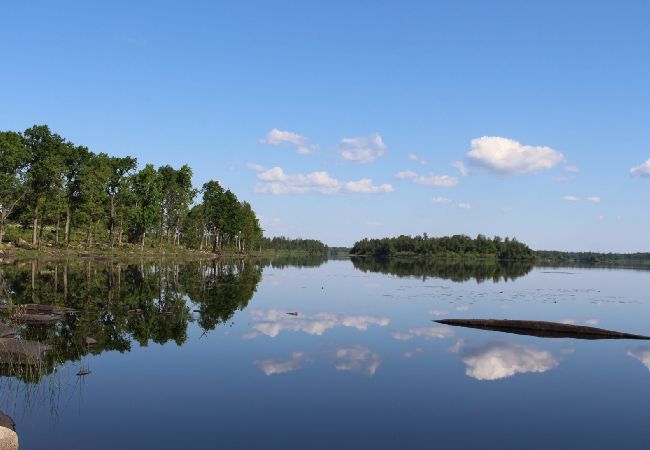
(7, 422)
(18, 351)
(8, 436)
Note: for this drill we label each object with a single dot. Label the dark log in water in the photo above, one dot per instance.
(37, 319)
(540, 328)
(33, 308)
(7, 331)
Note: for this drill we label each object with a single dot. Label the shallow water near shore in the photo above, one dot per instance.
(326, 354)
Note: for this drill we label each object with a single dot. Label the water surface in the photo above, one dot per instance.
(326, 354)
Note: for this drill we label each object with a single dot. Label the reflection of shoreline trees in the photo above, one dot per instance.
(455, 270)
(282, 261)
(119, 303)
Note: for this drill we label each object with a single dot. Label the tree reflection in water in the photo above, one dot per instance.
(119, 303)
(454, 270)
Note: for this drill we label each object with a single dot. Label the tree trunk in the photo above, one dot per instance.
(89, 241)
(35, 227)
(58, 217)
(119, 238)
(66, 231)
(110, 232)
(2, 229)
(142, 242)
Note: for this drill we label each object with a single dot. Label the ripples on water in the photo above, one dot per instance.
(320, 354)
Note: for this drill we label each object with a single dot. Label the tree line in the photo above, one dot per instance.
(447, 246)
(592, 258)
(281, 243)
(53, 186)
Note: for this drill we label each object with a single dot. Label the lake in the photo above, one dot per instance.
(320, 354)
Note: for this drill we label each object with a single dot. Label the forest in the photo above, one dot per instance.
(444, 247)
(57, 193)
(547, 257)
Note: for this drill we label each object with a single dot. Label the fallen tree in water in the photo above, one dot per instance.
(541, 328)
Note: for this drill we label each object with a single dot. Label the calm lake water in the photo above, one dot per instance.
(202, 355)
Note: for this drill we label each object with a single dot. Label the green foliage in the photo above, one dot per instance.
(66, 193)
(459, 270)
(448, 246)
(283, 244)
(546, 257)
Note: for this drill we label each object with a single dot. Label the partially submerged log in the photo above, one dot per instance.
(18, 351)
(37, 319)
(7, 331)
(34, 308)
(541, 328)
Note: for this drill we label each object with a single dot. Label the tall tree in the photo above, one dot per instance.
(14, 159)
(117, 182)
(146, 187)
(213, 210)
(93, 180)
(251, 232)
(44, 175)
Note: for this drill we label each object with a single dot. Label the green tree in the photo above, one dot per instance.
(117, 183)
(45, 167)
(14, 159)
(147, 190)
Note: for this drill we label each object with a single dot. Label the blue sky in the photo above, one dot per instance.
(296, 105)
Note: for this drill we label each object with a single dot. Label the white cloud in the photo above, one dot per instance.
(437, 312)
(593, 199)
(642, 353)
(272, 367)
(571, 169)
(641, 171)
(416, 158)
(507, 157)
(436, 180)
(591, 321)
(365, 186)
(275, 181)
(570, 198)
(255, 167)
(464, 205)
(500, 360)
(279, 137)
(427, 333)
(272, 322)
(562, 178)
(462, 168)
(404, 174)
(362, 149)
(357, 359)
(440, 200)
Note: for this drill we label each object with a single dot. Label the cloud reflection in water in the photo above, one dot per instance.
(642, 353)
(272, 367)
(272, 322)
(493, 361)
(357, 359)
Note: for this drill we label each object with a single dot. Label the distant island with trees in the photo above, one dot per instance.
(484, 248)
(457, 246)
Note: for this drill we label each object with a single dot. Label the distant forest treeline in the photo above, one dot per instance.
(449, 246)
(592, 258)
(281, 243)
(54, 191)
